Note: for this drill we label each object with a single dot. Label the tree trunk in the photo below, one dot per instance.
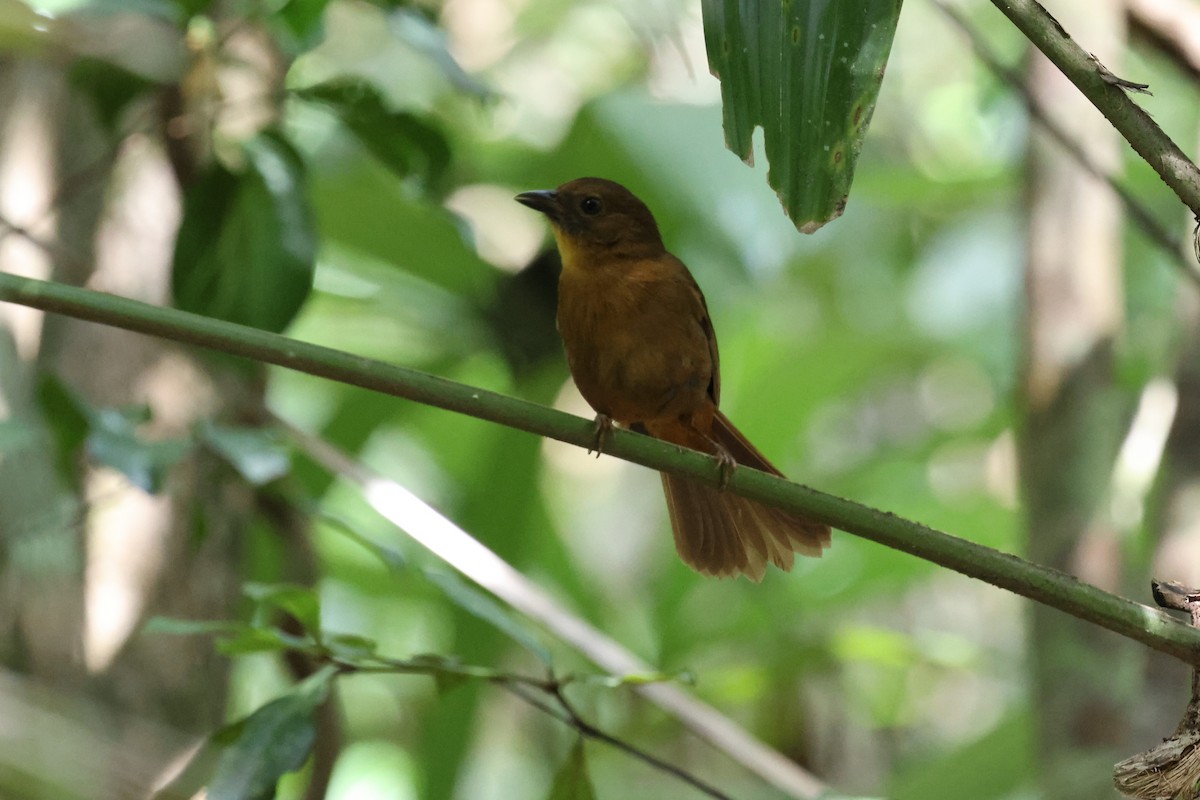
(1073, 418)
(83, 566)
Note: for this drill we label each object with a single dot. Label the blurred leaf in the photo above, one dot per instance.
(110, 87)
(299, 601)
(426, 38)
(446, 682)
(350, 646)
(192, 627)
(572, 782)
(809, 74)
(246, 247)
(274, 740)
(228, 734)
(685, 677)
(257, 454)
(193, 8)
(405, 143)
(66, 416)
(302, 24)
(262, 640)
(114, 442)
(480, 605)
(392, 559)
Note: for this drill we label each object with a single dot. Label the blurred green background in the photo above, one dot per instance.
(879, 359)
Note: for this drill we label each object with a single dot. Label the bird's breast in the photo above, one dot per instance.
(635, 352)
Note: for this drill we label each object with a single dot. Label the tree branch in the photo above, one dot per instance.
(1042, 584)
(1107, 94)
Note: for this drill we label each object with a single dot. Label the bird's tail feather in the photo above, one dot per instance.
(721, 534)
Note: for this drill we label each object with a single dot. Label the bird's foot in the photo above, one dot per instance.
(604, 426)
(728, 464)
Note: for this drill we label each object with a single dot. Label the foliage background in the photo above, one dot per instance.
(877, 359)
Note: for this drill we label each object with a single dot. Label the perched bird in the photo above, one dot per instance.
(642, 351)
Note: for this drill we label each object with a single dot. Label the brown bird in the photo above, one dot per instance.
(641, 348)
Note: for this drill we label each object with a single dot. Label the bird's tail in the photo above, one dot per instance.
(721, 534)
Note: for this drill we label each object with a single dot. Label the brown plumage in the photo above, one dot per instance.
(642, 350)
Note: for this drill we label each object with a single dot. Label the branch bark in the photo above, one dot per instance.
(1044, 585)
(1105, 92)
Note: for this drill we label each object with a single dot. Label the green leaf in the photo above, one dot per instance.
(405, 143)
(393, 559)
(300, 23)
(258, 454)
(114, 441)
(263, 640)
(350, 646)
(446, 682)
(66, 417)
(572, 782)
(636, 679)
(246, 248)
(274, 740)
(808, 72)
(480, 605)
(192, 8)
(299, 601)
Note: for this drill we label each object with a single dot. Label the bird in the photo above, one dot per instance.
(641, 349)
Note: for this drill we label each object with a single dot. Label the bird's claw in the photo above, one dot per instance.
(727, 464)
(604, 426)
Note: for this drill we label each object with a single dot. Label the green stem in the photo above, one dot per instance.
(1138, 128)
(1050, 587)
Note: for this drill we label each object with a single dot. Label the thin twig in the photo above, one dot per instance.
(567, 714)
(524, 687)
(1156, 233)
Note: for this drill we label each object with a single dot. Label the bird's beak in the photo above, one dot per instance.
(545, 201)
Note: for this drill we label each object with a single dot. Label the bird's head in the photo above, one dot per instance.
(594, 216)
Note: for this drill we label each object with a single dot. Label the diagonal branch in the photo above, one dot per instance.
(1042, 584)
(1108, 94)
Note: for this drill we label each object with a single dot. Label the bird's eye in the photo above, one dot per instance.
(591, 206)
